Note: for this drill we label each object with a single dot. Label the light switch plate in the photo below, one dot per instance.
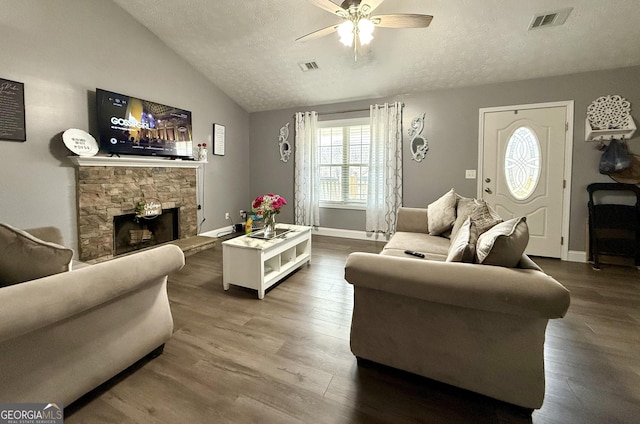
(470, 174)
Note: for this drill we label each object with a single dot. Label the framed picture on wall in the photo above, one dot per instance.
(12, 121)
(218, 139)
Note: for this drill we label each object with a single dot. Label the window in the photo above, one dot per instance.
(522, 163)
(343, 152)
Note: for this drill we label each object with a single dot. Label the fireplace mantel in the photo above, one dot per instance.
(134, 161)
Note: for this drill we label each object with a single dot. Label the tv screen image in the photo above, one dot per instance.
(129, 125)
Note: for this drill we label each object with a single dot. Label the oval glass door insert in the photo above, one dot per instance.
(522, 163)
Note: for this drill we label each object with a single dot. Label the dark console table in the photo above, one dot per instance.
(614, 228)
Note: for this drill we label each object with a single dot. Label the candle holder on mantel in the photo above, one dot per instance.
(201, 152)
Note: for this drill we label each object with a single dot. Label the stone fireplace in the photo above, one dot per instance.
(105, 192)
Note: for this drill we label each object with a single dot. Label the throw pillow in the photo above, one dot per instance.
(441, 214)
(504, 244)
(464, 207)
(484, 216)
(462, 248)
(24, 257)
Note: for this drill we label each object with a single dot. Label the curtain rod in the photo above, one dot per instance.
(349, 110)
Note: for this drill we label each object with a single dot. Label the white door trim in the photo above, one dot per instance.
(568, 157)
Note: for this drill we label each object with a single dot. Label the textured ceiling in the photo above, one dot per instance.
(248, 48)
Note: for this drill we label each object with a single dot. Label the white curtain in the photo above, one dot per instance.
(384, 196)
(307, 175)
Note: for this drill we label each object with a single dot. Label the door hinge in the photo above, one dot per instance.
(561, 241)
(566, 126)
(564, 183)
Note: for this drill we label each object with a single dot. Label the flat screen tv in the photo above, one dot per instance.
(128, 125)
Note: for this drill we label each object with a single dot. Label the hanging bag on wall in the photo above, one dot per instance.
(615, 158)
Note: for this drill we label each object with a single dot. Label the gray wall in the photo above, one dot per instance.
(62, 50)
(451, 128)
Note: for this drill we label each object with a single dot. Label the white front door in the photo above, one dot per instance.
(522, 171)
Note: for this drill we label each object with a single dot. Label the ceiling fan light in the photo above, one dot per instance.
(365, 26)
(365, 31)
(345, 31)
(365, 38)
(347, 40)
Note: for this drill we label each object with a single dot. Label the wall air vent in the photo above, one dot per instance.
(548, 19)
(308, 66)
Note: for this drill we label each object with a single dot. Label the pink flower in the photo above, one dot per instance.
(269, 203)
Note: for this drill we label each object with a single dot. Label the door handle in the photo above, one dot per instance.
(487, 190)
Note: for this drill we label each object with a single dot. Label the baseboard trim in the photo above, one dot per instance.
(350, 234)
(573, 255)
(219, 232)
(577, 256)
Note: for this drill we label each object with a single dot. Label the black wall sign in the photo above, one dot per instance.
(12, 125)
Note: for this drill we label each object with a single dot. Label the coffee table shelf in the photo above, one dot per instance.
(258, 264)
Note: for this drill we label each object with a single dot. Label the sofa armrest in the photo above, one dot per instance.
(516, 291)
(412, 220)
(34, 304)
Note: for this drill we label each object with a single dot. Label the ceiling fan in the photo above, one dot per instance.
(357, 23)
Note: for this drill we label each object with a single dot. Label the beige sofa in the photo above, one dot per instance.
(65, 334)
(475, 326)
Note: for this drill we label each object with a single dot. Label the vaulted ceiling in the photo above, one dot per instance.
(248, 48)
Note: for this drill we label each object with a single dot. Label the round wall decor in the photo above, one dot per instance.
(609, 112)
(80, 142)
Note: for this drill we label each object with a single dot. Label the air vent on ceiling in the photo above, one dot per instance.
(308, 66)
(548, 19)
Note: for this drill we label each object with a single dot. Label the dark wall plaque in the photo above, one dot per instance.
(12, 123)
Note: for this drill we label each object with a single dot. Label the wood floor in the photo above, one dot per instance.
(286, 359)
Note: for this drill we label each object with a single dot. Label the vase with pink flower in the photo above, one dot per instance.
(268, 206)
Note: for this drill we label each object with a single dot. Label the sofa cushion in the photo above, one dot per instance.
(24, 257)
(441, 214)
(434, 247)
(463, 246)
(504, 244)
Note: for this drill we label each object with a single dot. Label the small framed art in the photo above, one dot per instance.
(218, 139)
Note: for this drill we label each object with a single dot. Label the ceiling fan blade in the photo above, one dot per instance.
(372, 4)
(330, 7)
(319, 33)
(402, 21)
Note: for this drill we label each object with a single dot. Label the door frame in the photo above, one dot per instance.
(568, 157)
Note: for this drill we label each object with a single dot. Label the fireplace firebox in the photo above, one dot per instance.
(131, 233)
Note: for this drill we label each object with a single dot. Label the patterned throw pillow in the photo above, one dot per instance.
(464, 207)
(441, 214)
(484, 217)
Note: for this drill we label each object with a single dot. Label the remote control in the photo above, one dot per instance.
(412, 253)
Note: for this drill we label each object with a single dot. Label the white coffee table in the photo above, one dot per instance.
(258, 263)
